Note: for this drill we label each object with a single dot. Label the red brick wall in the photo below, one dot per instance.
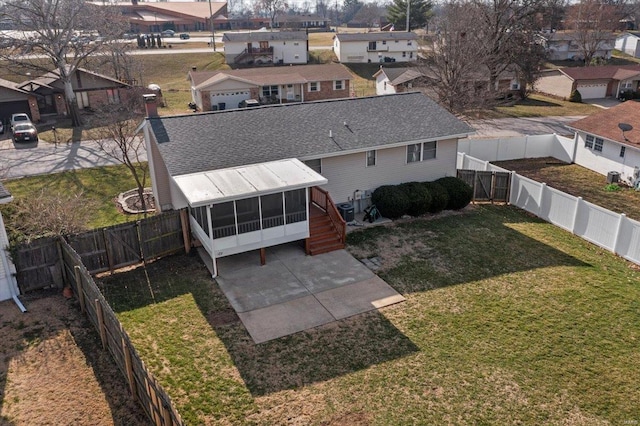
(33, 108)
(326, 92)
(61, 105)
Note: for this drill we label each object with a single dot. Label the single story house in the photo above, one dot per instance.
(629, 43)
(225, 89)
(565, 45)
(154, 17)
(266, 47)
(91, 89)
(14, 100)
(8, 284)
(302, 21)
(377, 47)
(257, 177)
(609, 140)
(592, 82)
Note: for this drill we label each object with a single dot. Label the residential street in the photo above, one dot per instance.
(44, 158)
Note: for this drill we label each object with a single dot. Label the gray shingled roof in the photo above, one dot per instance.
(379, 36)
(215, 140)
(266, 36)
(4, 193)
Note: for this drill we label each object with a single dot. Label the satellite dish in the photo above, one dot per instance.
(153, 87)
(625, 127)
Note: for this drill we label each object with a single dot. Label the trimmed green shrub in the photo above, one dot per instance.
(391, 201)
(439, 197)
(419, 198)
(575, 97)
(460, 193)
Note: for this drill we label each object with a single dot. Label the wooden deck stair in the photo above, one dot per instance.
(326, 228)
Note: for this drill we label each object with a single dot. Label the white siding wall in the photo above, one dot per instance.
(286, 50)
(352, 51)
(348, 173)
(609, 159)
(629, 44)
(382, 85)
(356, 51)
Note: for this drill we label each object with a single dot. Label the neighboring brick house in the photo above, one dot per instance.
(91, 89)
(225, 89)
(592, 82)
(14, 100)
(376, 47)
(266, 47)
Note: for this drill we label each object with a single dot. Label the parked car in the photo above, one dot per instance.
(168, 33)
(25, 132)
(184, 36)
(249, 103)
(18, 119)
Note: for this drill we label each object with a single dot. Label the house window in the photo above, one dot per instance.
(315, 165)
(622, 151)
(338, 85)
(372, 45)
(314, 86)
(515, 86)
(384, 42)
(371, 158)
(404, 54)
(410, 54)
(421, 151)
(268, 91)
(295, 43)
(588, 141)
(627, 84)
(83, 99)
(598, 145)
(113, 96)
(409, 43)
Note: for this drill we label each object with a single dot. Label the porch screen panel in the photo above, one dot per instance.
(223, 220)
(272, 210)
(248, 212)
(200, 215)
(295, 204)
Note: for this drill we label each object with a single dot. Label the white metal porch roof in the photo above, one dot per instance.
(217, 186)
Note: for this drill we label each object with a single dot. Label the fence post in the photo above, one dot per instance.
(575, 215)
(107, 250)
(186, 231)
(78, 274)
(486, 166)
(99, 314)
(542, 189)
(128, 367)
(512, 187)
(618, 230)
(62, 266)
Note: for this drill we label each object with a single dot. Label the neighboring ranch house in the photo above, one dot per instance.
(8, 284)
(565, 45)
(629, 43)
(601, 144)
(14, 100)
(376, 47)
(225, 89)
(592, 82)
(91, 89)
(249, 176)
(266, 47)
(397, 80)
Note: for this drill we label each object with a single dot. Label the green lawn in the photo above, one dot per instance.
(99, 186)
(507, 320)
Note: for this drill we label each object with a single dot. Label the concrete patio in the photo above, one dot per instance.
(295, 292)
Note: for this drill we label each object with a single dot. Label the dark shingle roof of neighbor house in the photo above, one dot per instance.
(600, 72)
(376, 36)
(266, 36)
(605, 123)
(4, 193)
(284, 75)
(215, 140)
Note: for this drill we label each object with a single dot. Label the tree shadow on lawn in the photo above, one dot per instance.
(452, 250)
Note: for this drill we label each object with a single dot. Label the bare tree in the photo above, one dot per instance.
(592, 23)
(322, 8)
(272, 8)
(55, 34)
(369, 14)
(114, 130)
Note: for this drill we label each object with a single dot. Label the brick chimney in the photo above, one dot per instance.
(150, 105)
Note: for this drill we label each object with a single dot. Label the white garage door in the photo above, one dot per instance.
(592, 91)
(229, 99)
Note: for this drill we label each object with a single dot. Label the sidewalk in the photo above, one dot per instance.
(28, 159)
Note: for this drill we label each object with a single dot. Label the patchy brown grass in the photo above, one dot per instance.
(578, 181)
(53, 370)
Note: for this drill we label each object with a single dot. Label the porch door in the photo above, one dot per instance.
(249, 47)
(264, 45)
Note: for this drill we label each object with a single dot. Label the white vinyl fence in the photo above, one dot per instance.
(609, 230)
(515, 148)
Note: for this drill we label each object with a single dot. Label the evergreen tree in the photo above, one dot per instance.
(419, 14)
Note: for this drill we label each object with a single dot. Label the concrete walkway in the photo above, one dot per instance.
(295, 292)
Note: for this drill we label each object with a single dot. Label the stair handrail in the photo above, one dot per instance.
(323, 200)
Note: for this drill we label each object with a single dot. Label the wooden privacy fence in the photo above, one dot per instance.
(144, 388)
(38, 264)
(488, 185)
